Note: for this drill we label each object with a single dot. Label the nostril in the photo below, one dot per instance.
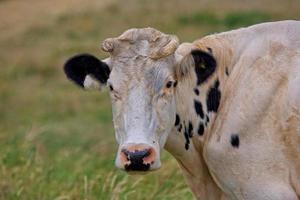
(136, 154)
(140, 154)
(125, 154)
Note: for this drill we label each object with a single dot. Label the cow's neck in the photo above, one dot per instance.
(197, 107)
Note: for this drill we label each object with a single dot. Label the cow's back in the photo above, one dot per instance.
(291, 130)
(253, 150)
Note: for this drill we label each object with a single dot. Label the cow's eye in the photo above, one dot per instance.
(169, 84)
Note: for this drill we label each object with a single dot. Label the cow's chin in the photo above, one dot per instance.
(137, 172)
(134, 172)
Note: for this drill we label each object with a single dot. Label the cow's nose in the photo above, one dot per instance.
(135, 158)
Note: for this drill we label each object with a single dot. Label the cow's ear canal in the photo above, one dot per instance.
(80, 67)
(205, 65)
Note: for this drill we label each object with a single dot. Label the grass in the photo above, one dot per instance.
(229, 21)
(57, 141)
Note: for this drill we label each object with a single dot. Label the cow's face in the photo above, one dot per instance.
(140, 76)
(142, 96)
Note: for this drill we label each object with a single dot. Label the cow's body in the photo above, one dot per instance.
(237, 105)
(259, 113)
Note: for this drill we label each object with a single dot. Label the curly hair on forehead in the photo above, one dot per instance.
(149, 41)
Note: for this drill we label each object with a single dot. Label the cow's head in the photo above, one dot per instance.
(141, 75)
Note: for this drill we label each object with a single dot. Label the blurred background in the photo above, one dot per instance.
(56, 140)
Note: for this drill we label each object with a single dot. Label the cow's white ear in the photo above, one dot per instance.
(183, 50)
(189, 57)
(87, 71)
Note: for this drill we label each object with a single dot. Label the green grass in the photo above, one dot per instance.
(229, 21)
(56, 140)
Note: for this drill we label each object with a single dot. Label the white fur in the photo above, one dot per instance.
(259, 102)
(91, 83)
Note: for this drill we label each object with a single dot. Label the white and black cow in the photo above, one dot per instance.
(234, 98)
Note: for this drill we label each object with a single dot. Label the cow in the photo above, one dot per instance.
(226, 106)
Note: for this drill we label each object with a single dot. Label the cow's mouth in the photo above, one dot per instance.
(137, 167)
(137, 158)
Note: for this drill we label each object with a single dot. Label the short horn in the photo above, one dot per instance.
(108, 45)
(165, 49)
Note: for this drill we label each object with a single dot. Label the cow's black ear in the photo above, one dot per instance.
(79, 66)
(205, 65)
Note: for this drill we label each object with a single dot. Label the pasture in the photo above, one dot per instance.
(56, 140)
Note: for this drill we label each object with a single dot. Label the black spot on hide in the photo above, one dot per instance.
(205, 65)
(198, 108)
(226, 71)
(200, 129)
(235, 140)
(190, 129)
(179, 128)
(188, 133)
(213, 98)
(177, 120)
(187, 138)
(196, 91)
(207, 119)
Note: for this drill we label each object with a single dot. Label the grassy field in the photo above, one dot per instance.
(56, 140)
